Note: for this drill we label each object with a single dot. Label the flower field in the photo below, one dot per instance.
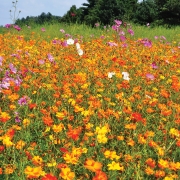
(106, 108)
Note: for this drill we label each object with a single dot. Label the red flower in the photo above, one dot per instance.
(49, 177)
(136, 117)
(2, 148)
(63, 150)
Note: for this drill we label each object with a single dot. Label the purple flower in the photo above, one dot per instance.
(150, 76)
(112, 44)
(146, 42)
(162, 37)
(51, 58)
(17, 27)
(122, 33)
(17, 119)
(64, 44)
(131, 32)
(155, 37)
(43, 29)
(7, 25)
(1, 60)
(118, 22)
(62, 30)
(124, 45)
(154, 66)
(12, 68)
(122, 38)
(115, 27)
(41, 61)
(23, 101)
(97, 24)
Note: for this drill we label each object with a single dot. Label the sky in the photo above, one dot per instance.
(35, 8)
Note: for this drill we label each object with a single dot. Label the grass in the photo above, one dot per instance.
(100, 109)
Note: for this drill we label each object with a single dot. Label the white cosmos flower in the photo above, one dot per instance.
(80, 52)
(78, 46)
(70, 41)
(125, 76)
(111, 74)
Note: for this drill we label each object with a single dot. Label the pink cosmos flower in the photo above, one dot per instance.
(43, 29)
(154, 66)
(150, 76)
(7, 25)
(131, 32)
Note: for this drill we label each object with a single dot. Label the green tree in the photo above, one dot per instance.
(169, 11)
(146, 12)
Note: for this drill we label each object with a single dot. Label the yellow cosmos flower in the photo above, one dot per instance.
(58, 128)
(26, 122)
(102, 139)
(37, 160)
(20, 144)
(34, 172)
(7, 141)
(52, 163)
(115, 166)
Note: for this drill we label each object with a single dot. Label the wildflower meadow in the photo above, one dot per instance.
(101, 107)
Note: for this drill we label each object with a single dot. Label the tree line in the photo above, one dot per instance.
(104, 12)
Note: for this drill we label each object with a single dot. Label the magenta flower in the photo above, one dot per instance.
(118, 22)
(115, 27)
(62, 30)
(97, 24)
(154, 66)
(7, 25)
(150, 76)
(17, 28)
(51, 58)
(43, 29)
(23, 101)
(131, 32)
(112, 44)
(1, 60)
(64, 44)
(122, 38)
(12, 68)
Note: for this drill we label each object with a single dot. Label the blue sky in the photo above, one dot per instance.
(36, 7)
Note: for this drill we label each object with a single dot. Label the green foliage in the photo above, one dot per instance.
(168, 11)
(104, 12)
(41, 19)
(146, 12)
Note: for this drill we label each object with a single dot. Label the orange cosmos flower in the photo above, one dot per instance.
(149, 171)
(67, 174)
(48, 120)
(159, 174)
(163, 164)
(74, 133)
(100, 175)
(4, 117)
(92, 165)
(150, 162)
